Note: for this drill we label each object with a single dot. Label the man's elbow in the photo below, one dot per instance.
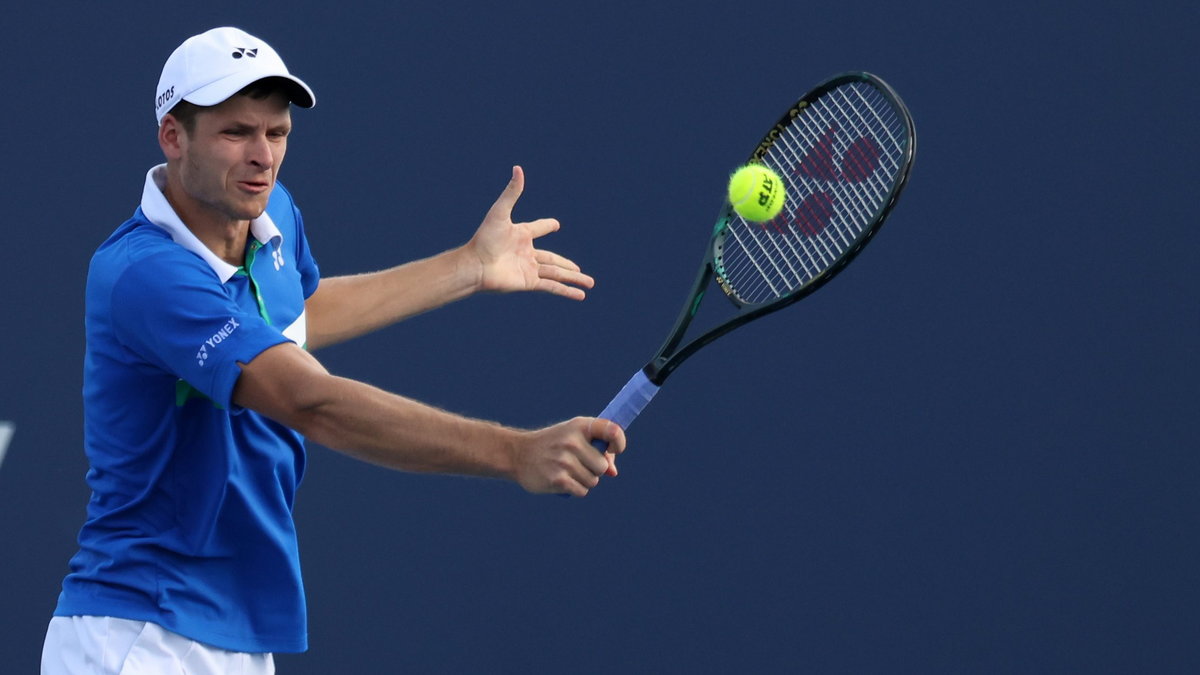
(288, 385)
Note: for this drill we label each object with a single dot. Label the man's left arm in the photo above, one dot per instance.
(500, 258)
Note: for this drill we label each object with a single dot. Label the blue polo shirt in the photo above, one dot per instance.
(190, 521)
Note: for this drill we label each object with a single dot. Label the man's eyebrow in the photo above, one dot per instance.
(240, 126)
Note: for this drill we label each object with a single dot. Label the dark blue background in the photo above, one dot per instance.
(975, 451)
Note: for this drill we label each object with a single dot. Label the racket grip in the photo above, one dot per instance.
(628, 403)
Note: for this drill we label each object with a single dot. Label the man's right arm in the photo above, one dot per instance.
(290, 386)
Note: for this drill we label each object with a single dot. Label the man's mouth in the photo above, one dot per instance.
(254, 186)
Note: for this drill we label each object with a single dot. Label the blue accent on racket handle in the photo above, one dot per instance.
(628, 403)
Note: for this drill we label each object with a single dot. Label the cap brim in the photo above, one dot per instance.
(218, 92)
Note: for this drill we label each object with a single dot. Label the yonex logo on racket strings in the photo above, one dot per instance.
(856, 164)
(858, 161)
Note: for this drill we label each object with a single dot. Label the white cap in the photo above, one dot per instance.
(212, 66)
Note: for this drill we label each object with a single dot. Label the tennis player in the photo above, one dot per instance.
(199, 388)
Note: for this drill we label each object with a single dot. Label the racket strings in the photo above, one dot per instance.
(818, 225)
(840, 158)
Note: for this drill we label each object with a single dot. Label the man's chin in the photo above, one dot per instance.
(252, 209)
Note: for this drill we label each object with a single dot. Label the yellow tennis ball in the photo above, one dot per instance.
(756, 192)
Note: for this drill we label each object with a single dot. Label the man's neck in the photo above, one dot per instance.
(224, 237)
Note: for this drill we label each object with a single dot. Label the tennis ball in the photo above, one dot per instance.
(756, 192)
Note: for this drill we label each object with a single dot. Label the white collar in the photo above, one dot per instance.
(158, 210)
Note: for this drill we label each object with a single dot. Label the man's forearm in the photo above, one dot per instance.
(397, 432)
(291, 387)
(349, 306)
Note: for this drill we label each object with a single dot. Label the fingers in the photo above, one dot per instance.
(608, 438)
(504, 204)
(542, 226)
(561, 290)
(581, 473)
(562, 458)
(560, 276)
(574, 291)
(609, 432)
(612, 464)
(551, 258)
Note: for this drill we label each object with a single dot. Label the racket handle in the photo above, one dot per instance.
(628, 403)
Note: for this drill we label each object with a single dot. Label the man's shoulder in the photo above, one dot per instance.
(140, 245)
(135, 238)
(281, 193)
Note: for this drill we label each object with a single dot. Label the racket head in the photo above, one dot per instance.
(844, 152)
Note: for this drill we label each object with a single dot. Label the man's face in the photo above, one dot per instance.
(231, 159)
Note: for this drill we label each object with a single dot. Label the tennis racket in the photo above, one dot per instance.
(844, 151)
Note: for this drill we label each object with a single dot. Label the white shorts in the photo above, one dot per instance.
(97, 645)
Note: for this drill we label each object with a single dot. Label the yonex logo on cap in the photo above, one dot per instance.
(210, 67)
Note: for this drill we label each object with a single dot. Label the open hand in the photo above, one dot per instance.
(507, 258)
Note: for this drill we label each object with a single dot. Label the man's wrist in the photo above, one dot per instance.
(468, 269)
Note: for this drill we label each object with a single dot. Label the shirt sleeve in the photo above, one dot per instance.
(175, 313)
(310, 274)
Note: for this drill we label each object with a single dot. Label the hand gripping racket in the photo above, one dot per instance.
(844, 151)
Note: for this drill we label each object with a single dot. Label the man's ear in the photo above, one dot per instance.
(170, 137)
